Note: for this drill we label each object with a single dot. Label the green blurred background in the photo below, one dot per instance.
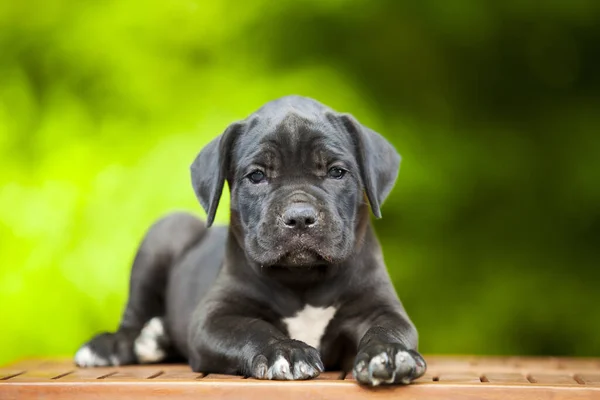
(492, 234)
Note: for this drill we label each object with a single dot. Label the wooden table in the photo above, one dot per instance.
(511, 378)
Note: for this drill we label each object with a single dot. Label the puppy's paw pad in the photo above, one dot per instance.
(388, 364)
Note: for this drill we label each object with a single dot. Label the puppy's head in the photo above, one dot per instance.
(298, 173)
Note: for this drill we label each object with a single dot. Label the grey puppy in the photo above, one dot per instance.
(296, 284)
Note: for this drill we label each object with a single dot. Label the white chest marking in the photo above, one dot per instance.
(309, 324)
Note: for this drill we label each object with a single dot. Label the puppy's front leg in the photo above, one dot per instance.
(387, 352)
(251, 347)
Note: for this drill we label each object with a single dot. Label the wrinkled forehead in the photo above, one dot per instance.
(293, 138)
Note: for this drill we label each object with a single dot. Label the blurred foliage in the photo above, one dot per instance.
(492, 234)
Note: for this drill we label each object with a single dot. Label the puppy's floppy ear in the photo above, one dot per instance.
(378, 161)
(210, 168)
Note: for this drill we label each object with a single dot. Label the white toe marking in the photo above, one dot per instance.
(146, 346)
(404, 364)
(303, 370)
(360, 366)
(309, 324)
(280, 370)
(85, 357)
(381, 358)
(404, 361)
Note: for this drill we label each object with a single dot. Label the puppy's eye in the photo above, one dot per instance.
(256, 176)
(336, 173)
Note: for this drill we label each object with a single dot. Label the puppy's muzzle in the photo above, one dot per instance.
(299, 216)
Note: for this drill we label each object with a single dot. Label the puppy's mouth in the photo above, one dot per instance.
(301, 258)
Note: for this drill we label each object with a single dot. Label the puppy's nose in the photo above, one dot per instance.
(299, 216)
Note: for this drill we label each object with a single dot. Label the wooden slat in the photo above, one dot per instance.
(134, 374)
(6, 374)
(330, 376)
(41, 375)
(489, 362)
(264, 390)
(551, 379)
(459, 377)
(36, 370)
(217, 377)
(450, 363)
(506, 378)
(537, 363)
(42, 370)
(589, 379)
(89, 374)
(446, 378)
(578, 364)
(175, 375)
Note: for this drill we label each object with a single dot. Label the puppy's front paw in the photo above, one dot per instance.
(387, 364)
(105, 349)
(287, 360)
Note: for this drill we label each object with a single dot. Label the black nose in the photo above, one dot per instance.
(299, 216)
